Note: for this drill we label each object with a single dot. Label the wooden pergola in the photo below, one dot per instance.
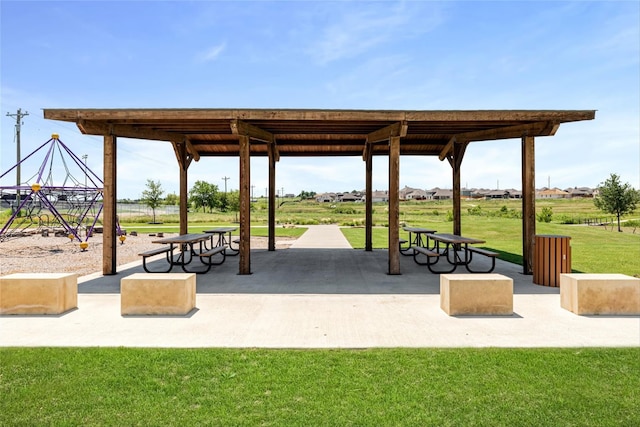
(275, 133)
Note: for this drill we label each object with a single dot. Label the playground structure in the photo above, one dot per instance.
(41, 204)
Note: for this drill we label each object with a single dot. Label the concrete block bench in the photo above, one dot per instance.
(583, 293)
(38, 293)
(158, 293)
(476, 294)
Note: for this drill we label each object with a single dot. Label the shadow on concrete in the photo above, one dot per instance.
(320, 271)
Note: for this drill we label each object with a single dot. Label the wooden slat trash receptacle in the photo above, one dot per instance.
(552, 256)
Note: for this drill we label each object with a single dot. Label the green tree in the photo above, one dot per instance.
(152, 196)
(223, 202)
(307, 195)
(545, 215)
(172, 199)
(615, 198)
(204, 195)
(233, 201)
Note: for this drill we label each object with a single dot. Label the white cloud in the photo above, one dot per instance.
(354, 31)
(212, 53)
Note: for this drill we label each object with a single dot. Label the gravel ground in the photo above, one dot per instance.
(37, 254)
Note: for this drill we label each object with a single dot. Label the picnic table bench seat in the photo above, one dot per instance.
(211, 253)
(482, 251)
(426, 252)
(205, 256)
(168, 250)
(485, 252)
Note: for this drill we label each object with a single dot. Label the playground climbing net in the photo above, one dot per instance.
(45, 203)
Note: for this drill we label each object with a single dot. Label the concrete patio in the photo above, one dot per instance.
(309, 297)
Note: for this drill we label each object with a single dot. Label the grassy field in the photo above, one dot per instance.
(595, 249)
(377, 387)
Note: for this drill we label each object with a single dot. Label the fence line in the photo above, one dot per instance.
(140, 209)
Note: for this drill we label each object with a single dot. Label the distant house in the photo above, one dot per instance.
(551, 193)
(580, 192)
(378, 196)
(514, 194)
(496, 194)
(441, 194)
(478, 193)
(326, 198)
(408, 193)
(349, 197)
(466, 192)
(485, 193)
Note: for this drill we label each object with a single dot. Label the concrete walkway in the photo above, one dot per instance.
(321, 236)
(319, 298)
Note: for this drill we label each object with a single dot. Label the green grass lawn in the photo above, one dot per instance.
(593, 249)
(377, 387)
(374, 387)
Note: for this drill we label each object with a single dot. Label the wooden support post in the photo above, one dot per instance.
(457, 215)
(456, 163)
(184, 192)
(272, 199)
(528, 203)
(368, 239)
(185, 153)
(394, 205)
(109, 242)
(245, 206)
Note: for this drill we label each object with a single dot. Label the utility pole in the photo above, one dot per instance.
(226, 178)
(252, 187)
(19, 115)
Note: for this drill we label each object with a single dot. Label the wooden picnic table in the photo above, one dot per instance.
(417, 237)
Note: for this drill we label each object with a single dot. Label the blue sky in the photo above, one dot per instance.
(421, 55)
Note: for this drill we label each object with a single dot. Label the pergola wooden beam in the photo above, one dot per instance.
(240, 127)
(208, 114)
(394, 130)
(183, 151)
(447, 148)
(532, 129)
(310, 132)
(129, 131)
